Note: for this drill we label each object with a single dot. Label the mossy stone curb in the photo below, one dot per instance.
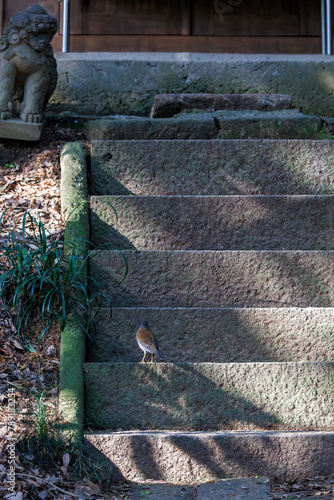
(74, 193)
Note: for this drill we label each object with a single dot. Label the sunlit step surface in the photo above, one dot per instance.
(210, 396)
(213, 167)
(216, 278)
(189, 457)
(213, 222)
(218, 335)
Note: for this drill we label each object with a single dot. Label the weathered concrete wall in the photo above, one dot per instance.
(126, 83)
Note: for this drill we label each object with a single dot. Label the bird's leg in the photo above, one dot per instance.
(152, 358)
(143, 360)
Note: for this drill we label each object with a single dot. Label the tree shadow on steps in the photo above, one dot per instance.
(175, 396)
(209, 223)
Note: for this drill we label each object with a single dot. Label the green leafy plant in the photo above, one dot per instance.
(38, 275)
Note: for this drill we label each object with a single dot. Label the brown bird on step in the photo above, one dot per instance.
(147, 341)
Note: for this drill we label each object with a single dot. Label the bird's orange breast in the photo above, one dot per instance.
(146, 336)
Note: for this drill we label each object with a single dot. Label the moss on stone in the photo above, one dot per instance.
(72, 351)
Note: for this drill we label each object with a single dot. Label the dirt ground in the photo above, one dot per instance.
(30, 180)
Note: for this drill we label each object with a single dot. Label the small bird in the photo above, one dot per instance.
(147, 341)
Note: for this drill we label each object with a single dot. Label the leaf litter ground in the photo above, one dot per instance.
(30, 181)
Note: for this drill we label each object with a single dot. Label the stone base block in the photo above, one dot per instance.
(21, 131)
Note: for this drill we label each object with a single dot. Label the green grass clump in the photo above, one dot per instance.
(40, 277)
(45, 446)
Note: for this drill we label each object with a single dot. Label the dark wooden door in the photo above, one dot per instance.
(136, 17)
(245, 26)
(246, 18)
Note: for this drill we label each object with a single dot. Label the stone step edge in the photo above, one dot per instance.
(252, 196)
(168, 433)
(250, 124)
(144, 308)
(249, 363)
(201, 456)
(331, 252)
(173, 141)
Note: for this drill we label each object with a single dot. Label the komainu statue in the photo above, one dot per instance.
(28, 70)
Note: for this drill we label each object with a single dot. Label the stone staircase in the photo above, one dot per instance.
(229, 242)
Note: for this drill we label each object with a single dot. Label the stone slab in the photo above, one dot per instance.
(168, 105)
(163, 492)
(237, 489)
(216, 279)
(218, 335)
(285, 124)
(203, 456)
(21, 131)
(212, 167)
(209, 396)
(213, 222)
(147, 129)
(224, 489)
(126, 83)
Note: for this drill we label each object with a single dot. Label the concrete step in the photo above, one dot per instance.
(148, 129)
(246, 124)
(168, 105)
(218, 335)
(287, 124)
(188, 457)
(216, 279)
(210, 396)
(236, 488)
(213, 167)
(213, 222)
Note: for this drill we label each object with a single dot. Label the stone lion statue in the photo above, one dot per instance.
(28, 70)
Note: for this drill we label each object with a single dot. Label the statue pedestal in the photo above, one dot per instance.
(21, 131)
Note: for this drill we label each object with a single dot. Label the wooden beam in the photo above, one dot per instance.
(215, 44)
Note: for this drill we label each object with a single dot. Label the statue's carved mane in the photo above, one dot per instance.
(24, 26)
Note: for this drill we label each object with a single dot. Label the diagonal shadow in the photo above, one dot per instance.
(222, 335)
(240, 176)
(216, 167)
(214, 223)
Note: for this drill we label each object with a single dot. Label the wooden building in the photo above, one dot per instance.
(233, 26)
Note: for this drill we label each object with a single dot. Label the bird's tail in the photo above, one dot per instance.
(160, 355)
